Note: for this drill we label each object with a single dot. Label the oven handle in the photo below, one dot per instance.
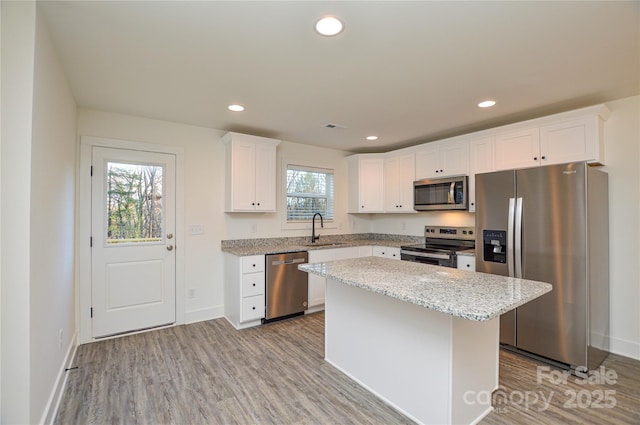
(426, 255)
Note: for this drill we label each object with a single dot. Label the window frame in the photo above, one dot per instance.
(286, 224)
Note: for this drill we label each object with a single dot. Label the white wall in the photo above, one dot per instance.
(204, 163)
(38, 202)
(622, 156)
(18, 40)
(52, 246)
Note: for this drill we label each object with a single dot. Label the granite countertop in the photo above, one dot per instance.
(245, 247)
(470, 295)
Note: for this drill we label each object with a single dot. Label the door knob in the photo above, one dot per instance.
(169, 247)
(170, 235)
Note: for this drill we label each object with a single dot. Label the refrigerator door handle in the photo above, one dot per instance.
(510, 230)
(518, 238)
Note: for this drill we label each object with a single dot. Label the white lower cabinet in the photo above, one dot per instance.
(317, 283)
(467, 262)
(244, 301)
(386, 252)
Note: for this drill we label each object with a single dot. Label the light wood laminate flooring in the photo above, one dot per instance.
(210, 373)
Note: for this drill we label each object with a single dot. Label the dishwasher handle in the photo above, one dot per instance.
(283, 262)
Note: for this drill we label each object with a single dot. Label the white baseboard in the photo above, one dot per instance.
(203, 314)
(624, 347)
(53, 404)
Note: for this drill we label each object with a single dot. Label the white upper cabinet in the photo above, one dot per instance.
(442, 159)
(481, 156)
(572, 140)
(399, 174)
(517, 149)
(366, 183)
(567, 137)
(250, 174)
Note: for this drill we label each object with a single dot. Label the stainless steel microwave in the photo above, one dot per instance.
(449, 193)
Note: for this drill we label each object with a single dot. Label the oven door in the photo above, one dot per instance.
(435, 259)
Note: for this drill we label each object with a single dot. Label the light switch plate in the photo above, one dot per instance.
(196, 229)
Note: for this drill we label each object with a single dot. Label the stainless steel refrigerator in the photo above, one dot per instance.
(550, 224)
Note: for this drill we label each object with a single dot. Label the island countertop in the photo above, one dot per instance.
(470, 295)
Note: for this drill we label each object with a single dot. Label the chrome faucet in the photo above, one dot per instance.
(314, 238)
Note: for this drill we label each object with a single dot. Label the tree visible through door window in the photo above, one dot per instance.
(134, 203)
(309, 190)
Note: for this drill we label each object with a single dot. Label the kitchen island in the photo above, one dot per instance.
(423, 338)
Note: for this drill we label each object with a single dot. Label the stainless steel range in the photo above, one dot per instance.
(441, 246)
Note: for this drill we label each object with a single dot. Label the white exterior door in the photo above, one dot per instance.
(133, 208)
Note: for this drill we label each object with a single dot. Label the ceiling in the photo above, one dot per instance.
(408, 72)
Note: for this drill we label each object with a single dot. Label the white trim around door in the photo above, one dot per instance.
(83, 293)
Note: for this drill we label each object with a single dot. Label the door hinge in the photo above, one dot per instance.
(91, 312)
(91, 171)
(90, 241)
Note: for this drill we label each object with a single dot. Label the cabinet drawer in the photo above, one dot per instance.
(252, 284)
(466, 262)
(252, 308)
(254, 263)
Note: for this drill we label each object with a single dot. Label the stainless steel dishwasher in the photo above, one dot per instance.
(287, 288)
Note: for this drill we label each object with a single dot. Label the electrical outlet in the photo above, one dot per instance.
(192, 293)
(60, 339)
(254, 227)
(196, 229)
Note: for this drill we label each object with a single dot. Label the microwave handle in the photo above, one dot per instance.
(452, 195)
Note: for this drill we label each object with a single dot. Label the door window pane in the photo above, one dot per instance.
(134, 203)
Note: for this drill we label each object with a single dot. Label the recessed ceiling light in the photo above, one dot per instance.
(372, 137)
(486, 104)
(236, 108)
(329, 26)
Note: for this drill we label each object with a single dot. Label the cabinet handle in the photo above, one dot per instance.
(468, 265)
(535, 158)
(258, 203)
(253, 203)
(253, 308)
(254, 284)
(544, 157)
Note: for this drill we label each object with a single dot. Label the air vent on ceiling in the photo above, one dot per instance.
(330, 125)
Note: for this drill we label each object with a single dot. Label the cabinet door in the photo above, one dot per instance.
(345, 253)
(365, 251)
(519, 149)
(252, 284)
(481, 154)
(265, 178)
(371, 185)
(406, 177)
(467, 262)
(243, 189)
(392, 184)
(454, 159)
(427, 163)
(386, 252)
(317, 283)
(252, 308)
(573, 140)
